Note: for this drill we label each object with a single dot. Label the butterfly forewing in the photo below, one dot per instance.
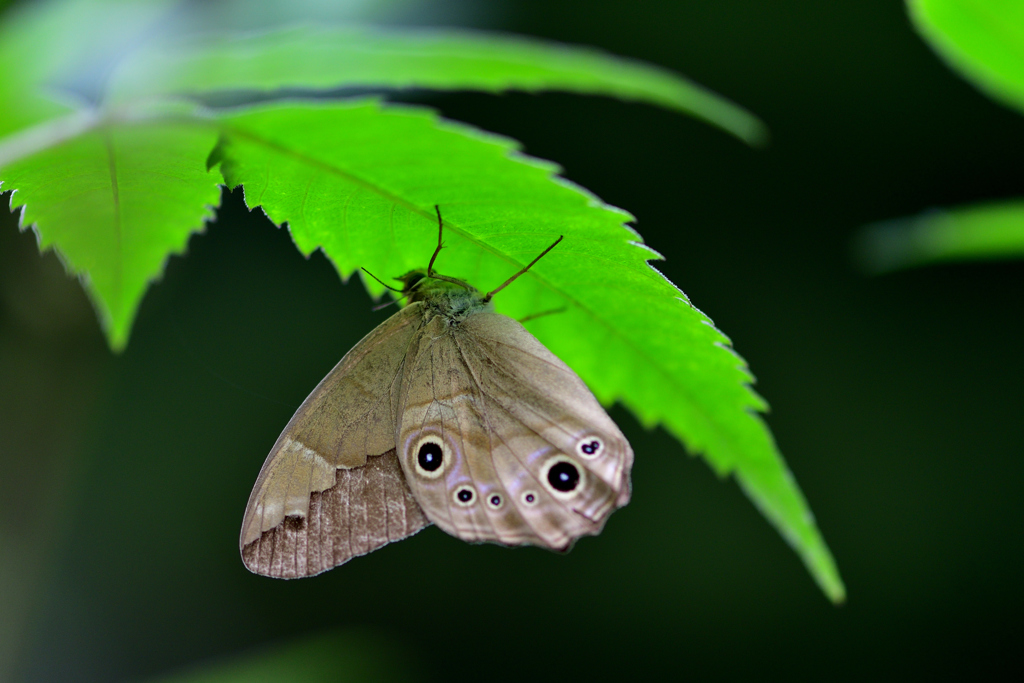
(348, 417)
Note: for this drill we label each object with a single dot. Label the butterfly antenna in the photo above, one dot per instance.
(440, 230)
(430, 266)
(528, 266)
(379, 280)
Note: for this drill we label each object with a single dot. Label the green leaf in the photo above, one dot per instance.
(360, 180)
(315, 58)
(115, 201)
(45, 45)
(982, 39)
(328, 658)
(982, 231)
(21, 32)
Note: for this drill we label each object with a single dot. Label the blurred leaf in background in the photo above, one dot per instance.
(307, 58)
(989, 231)
(981, 39)
(984, 41)
(325, 658)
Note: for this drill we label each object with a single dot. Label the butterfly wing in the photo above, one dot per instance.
(522, 451)
(348, 417)
(367, 507)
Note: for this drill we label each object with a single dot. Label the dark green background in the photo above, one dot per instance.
(896, 400)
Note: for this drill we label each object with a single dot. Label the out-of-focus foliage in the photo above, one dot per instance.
(326, 658)
(322, 58)
(984, 41)
(992, 230)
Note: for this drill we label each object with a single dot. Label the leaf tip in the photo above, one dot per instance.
(822, 566)
(117, 343)
(750, 129)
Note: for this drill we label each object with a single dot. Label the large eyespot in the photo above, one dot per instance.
(590, 447)
(562, 476)
(529, 498)
(464, 496)
(430, 456)
(495, 501)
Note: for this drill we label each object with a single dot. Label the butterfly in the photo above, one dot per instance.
(447, 413)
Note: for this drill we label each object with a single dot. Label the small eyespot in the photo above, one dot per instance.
(590, 447)
(494, 501)
(464, 496)
(563, 478)
(529, 498)
(430, 457)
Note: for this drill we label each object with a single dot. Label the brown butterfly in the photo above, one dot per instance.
(447, 413)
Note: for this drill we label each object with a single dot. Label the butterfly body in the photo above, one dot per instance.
(449, 413)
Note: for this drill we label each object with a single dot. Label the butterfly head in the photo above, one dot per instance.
(447, 296)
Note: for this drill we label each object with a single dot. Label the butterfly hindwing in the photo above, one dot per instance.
(506, 419)
(541, 391)
(342, 522)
